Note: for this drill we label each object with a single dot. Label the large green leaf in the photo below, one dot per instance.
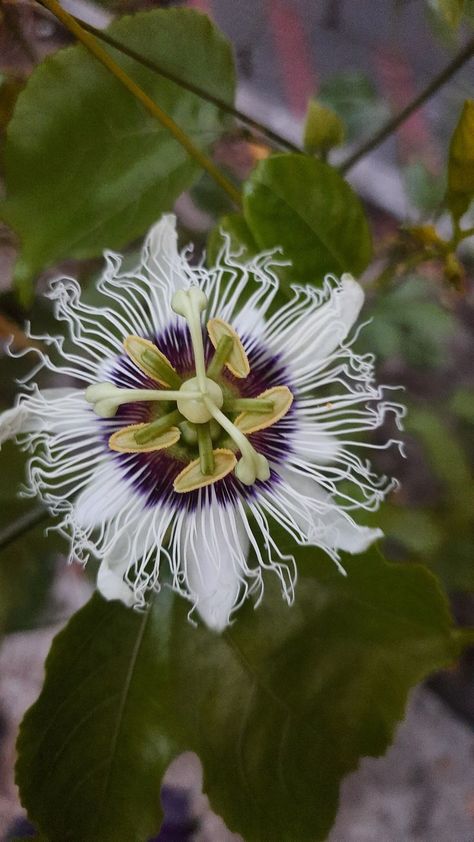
(279, 708)
(306, 207)
(86, 166)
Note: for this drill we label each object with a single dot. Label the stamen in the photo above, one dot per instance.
(190, 303)
(151, 361)
(251, 421)
(189, 432)
(237, 363)
(252, 465)
(247, 405)
(148, 432)
(125, 440)
(206, 456)
(106, 397)
(192, 478)
(223, 351)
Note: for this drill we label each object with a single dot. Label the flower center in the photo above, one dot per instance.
(194, 408)
(201, 405)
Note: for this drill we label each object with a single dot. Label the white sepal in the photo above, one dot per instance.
(214, 549)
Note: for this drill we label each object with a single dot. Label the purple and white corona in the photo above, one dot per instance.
(195, 417)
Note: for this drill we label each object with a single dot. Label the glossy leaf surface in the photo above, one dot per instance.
(305, 207)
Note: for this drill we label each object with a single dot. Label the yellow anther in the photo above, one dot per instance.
(237, 361)
(251, 422)
(124, 440)
(151, 361)
(191, 477)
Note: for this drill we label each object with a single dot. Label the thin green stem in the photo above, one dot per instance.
(465, 232)
(391, 125)
(247, 405)
(162, 369)
(261, 128)
(206, 455)
(90, 42)
(221, 355)
(155, 428)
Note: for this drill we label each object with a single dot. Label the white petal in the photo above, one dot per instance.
(313, 443)
(215, 547)
(161, 257)
(317, 329)
(351, 298)
(59, 393)
(105, 495)
(14, 421)
(111, 585)
(337, 316)
(249, 324)
(33, 413)
(332, 526)
(131, 545)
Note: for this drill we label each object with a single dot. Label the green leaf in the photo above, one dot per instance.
(86, 167)
(447, 458)
(408, 321)
(462, 404)
(353, 96)
(461, 163)
(423, 188)
(323, 129)
(100, 751)
(417, 530)
(304, 206)
(279, 708)
(453, 562)
(450, 11)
